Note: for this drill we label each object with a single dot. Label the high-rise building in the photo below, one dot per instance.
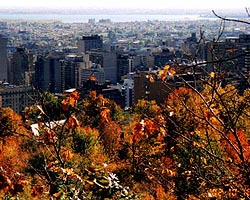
(49, 73)
(163, 58)
(72, 67)
(3, 59)
(58, 72)
(124, 65)
(128, 90)
(87, 43)
(107, 60)
(144, 89)
(95, 71)
(21, 67)
(234, 51)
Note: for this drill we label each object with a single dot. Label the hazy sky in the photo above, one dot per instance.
(183, 4)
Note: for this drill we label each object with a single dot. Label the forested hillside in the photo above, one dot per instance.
(193, 146)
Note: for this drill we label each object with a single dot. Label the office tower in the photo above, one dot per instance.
(144, 89)
(57, 72)
(49, 73)
(72, 67)
(3, 59)
(125, 64)
(237, 48)
(107, 60)
(20, 68)
(232, 58)
(95, 71)
(87, 43)
(163, 58)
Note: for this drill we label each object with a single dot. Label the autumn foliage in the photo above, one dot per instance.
(193, 146)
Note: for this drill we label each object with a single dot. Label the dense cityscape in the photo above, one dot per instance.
(55, 56)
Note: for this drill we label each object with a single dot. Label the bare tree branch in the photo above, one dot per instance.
(230, 19)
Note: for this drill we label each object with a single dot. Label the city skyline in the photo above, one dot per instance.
(128, 4)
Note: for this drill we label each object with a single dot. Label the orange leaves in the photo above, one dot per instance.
(70, 100)
(167, 71)
(150, 127)
(239, 141)
(144, 129)
(230, 51)
(65, 104)
(215, 193)
(67, 154)
(10, 123)
(73, 122)
(92, 78)
(12, 182)
(105, 114)
(151, 78)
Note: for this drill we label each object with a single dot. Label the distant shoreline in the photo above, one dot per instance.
(82, 15)
(83, 18)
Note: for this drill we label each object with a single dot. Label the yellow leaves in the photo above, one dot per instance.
(171, 173)
(196, 144)
(167, 71)
(215, 193)
(233, 193)
(229, 160)
(58, 194)
(212, 74)
(204, 160)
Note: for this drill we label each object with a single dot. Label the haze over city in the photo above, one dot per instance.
(128, 4)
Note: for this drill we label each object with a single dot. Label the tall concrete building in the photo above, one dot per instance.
(95, 71)
(58, 72)
(49, 73)
(87, 43)
(21, 67)
(234, 51)
(3, 59)
(72, 67)
(107, 60)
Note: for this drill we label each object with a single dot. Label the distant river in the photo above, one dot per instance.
(76, 18)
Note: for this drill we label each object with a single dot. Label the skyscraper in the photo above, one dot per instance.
(3, 59)
(20, 66)
(87, 43)
(49, 74)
